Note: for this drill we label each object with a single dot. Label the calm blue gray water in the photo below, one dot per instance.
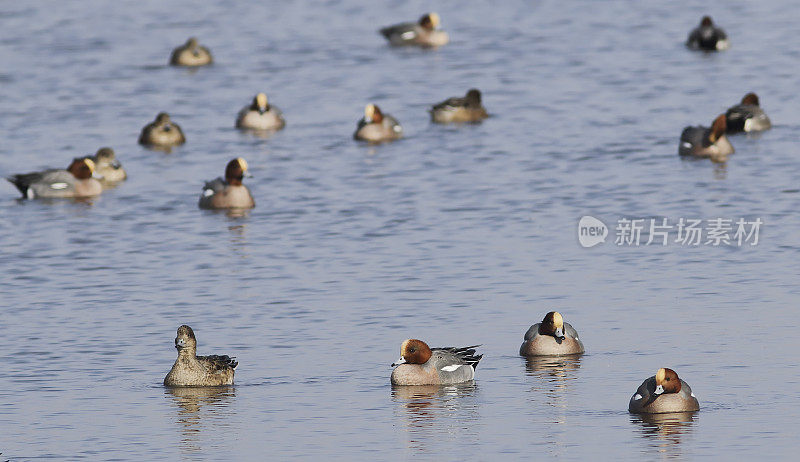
(455, 235)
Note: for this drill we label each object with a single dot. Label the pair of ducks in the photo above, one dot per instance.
(163, 133)
(711, 142)
(424, 33)
(377, 127)
(84, 177)
(421, 365)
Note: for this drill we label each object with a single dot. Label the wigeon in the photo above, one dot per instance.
(663, 392)
(191, 370)
(460, 109)
(421, 365)
(423, 33)
(162, 132)
(707, 37)
(191, 54)
(551, 337)
(747, 116)
(78, 180)
(228, 192)
(702, 141)
(107, 166)
(260, 115)
(377, 127)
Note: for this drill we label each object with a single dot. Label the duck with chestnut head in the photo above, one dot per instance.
(421, 365)
(747, 116)
(551, 337)
(377, 127)
(710, 142)
(228, 192)
(78, 180)
(260, 115)
(663, 392)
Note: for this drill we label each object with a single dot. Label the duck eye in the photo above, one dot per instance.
(412, 349)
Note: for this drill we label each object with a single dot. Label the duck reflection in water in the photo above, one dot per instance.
(431, 412)
(665, 431)
(555, 374)
(200, 410)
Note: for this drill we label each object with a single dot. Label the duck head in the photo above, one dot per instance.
(260, 103)
(750, 99)
(235, 171)
(185, 341)
(667, 381)
(413, 351)
(717, 129)
(82, 168)
(372, 114)
(553, 324)
(430, 21)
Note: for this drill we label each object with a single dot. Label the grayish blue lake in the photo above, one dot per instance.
(456, 235)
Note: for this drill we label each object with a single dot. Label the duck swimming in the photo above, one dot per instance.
(422, 365)
(460, 109)
(423, 33)
(260, 115)
(747, 116)
(663, 392)
(551, 337)
(710, 142)
(162, 132)
(707, 37)
(191, 54)
(78, 180)
(377, 127)
(191, 370)
(107, 166)
(228, 193)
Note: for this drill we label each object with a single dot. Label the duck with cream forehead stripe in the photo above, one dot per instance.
(421, 365)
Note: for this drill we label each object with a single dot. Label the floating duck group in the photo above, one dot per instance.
(418, 364)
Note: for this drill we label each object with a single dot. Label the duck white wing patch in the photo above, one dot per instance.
(408, 35)
(451, 368)
(686, 144)
(637, 397)
(58, 186)
(693, 396)
(208, 192)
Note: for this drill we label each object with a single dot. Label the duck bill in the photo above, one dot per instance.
(400, 361)
(659, 390)
(559, 333)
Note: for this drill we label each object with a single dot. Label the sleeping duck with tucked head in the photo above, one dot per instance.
(663, 392)
(78, 180)
(423, 33)
(421, 365)
(191, 54)
(191, 370)
(162, 133)
(551, 337)
(460, 109)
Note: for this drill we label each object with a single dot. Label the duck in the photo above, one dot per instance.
(707, 37)
(421, 365)
(77, 181)
(377, 127)
(460, 109)
(107, 166)
(551, 337)
(228, 193)
(663, 392)
(191, 370)
(191, 54)
(260, 115)
(747, 116)
(423, 33)
(700, 141)
(162, 132)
